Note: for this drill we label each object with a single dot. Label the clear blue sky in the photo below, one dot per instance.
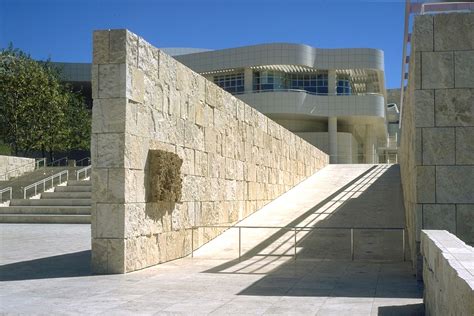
(62, 29)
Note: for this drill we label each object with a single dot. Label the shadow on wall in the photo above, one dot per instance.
(323, 266)
(74, 264)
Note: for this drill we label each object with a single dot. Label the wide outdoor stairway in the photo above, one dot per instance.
(342, 212)
(69, 203)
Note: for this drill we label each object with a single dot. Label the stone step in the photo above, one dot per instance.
(78, 183)
(65, 195)
(73, 188)
(44, 210)
(50, 202)
(45, 219)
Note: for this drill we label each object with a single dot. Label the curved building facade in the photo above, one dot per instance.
(333, 98)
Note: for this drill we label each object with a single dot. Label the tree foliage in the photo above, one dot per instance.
(37, 111)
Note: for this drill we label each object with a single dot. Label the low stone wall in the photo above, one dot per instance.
(448, 274)
(170, 151)
(437, 131)
(11, 166)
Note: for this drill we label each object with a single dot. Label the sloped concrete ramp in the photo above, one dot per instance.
(341, 212)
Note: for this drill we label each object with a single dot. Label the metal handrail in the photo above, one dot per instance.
(58, 161)
(3, 191)
(297, 229)
(86, 172)
(81, 161)
(305, 91)
(45, 181)
(38, 161)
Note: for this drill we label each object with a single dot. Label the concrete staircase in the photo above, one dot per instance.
(66, 204)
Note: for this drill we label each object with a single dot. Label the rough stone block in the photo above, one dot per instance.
(116, 255)
(100, 53)
(164, 176)
(437, 70)
(465, 145)
(423, 33)
(465, 222)
(439, 216)
(112, 81)
(454, 31)
(109, 115)
(110, 220)
(99, 256)
(464, 69)
(455, 184)
(424, 108)
(454, 107)
(425, 184)
(111, 149)
(438, 146)
(123, 47)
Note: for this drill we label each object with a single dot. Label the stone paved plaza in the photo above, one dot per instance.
(43, 274)
(46, 268)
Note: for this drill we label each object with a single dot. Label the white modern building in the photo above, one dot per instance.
(333, 98)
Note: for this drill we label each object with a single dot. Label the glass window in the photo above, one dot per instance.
(343, 85)
(232, 83)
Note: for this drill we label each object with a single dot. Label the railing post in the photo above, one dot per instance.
(352, 244)
(192, 242)
(403, 246)
(295, 243)
(240, 242)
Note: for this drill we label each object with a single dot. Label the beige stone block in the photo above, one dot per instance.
(116, 256)
(136, 87)
(437, 70)
(438, 146)
(210, 139)
(110, 220)
(167, 69)
(200, 115)
(108, 115)
(100, 54)
(123, 47)
(201, 163)
(423, 33)
(425, 184)
(465, 222)
(416, 70)
(116, 185)
(211, 94)
(148, 59)
(143, 219)
(110, 150)
(454, 31)
(464, 69)
(95, 81)
(112, 81)
(455, 184)
(418, 146)
(136, 152)
(424, 108)
(187, 155)
(440, 217)
(465, 145)
(454, 107)
(99, 181)
(99, 256)
(194, 136)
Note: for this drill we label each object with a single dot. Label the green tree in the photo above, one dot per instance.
(37, 111)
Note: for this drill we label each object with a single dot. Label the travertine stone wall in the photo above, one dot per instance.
(437, 143)
(11, 166)
(234, 159)
(448, 274)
